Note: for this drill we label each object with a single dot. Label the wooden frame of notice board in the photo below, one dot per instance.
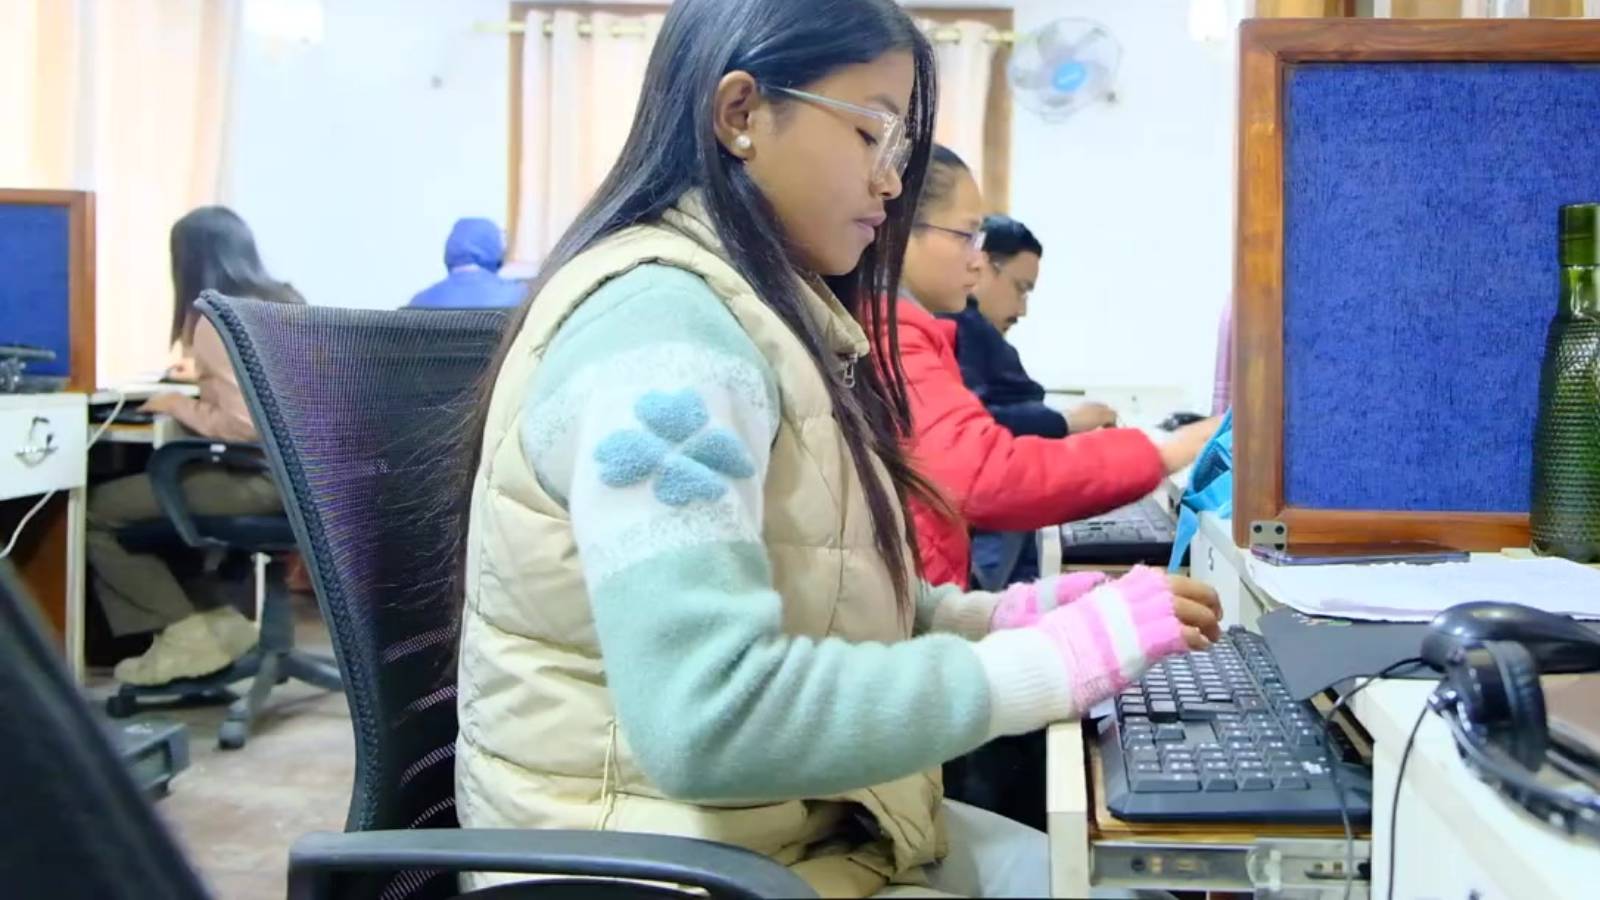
(1269, 49)
(80, 278)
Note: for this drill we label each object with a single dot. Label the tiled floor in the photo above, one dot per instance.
(238, 811)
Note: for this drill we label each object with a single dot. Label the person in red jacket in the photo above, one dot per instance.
(991, 479)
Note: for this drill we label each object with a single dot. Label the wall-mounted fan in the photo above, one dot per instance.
(1063, 67)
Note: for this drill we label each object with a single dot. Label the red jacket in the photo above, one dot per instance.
(995, 481)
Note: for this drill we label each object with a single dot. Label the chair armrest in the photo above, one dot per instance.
(723, 871)
(166, 478)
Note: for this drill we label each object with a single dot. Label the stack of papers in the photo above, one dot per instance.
(1415, 593)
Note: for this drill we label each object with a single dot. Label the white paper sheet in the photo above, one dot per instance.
(1414, 593)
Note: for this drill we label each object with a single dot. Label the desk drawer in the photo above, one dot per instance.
(1210, 565)
(43, 444)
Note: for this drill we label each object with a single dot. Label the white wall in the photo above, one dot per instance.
(352, 156)
(1134, 203)
(351, 160)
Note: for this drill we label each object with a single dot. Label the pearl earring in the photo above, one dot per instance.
(743, 143)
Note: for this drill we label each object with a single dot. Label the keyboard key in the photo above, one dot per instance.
(1165, 784)
(1150, 756)
(1182, 768)
(1254, 782)
(1131, 710)
(1163, 711)
(1147, 768)
(1169, 733)
(1245, 756)
(1250, 765)
(1219, 784)
(1295, 783)
(1306, 737)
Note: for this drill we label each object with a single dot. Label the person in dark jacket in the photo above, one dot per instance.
(473, 255)
(992, 369)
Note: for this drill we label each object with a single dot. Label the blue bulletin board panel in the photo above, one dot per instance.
(47, 279)
(1420, 274)
(35, 282)
(1397, 270)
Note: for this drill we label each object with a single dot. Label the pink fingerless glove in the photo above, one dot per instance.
(1080, 654)
(1022, 605)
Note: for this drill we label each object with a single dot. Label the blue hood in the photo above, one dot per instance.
(475, 242)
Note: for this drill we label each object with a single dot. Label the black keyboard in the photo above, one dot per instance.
(1216, 737)
(1138, 533)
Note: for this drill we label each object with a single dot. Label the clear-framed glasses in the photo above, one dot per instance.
(893, 147)
(974, 239)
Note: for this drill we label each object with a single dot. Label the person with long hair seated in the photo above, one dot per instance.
(991, 473)
(992, 369)
(211, 249)
(987, 477)
(691, 604)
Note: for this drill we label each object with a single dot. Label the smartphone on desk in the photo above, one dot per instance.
(1410, 552)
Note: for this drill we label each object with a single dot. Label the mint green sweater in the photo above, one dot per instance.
(664, 491)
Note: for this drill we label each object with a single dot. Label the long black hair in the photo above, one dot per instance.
(213, 250)
(673, 148)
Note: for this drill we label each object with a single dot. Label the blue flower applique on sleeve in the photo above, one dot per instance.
(684, 459)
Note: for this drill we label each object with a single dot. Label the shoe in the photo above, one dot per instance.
(184, 649)
(236, 633)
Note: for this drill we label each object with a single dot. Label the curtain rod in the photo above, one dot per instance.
(941, 35)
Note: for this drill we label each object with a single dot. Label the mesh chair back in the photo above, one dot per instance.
(364, 415)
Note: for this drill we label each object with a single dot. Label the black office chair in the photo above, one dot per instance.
(73, 824)
(363, 414)
(274, 658)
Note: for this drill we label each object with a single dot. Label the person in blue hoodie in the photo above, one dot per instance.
(472, 254)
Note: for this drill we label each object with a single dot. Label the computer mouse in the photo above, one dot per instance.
(1179, 419)
(1558, 643)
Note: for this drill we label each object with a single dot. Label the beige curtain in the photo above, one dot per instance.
(128, 99)
(964, 55)
(580, 84)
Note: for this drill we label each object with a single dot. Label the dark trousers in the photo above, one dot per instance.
(1004, 776)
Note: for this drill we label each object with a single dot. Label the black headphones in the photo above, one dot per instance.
(1491, 698)
(1494, 689)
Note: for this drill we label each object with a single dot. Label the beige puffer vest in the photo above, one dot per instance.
(540, 745)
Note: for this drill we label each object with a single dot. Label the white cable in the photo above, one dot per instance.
(16, 534)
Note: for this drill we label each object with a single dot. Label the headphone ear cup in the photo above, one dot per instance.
(1524, 731)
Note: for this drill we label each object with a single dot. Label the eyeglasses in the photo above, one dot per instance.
(893, 147)
(974, 239)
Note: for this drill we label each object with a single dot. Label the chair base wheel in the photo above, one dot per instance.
(121, 706)
(232, 735)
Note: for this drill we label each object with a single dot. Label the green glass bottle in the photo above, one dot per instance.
(1566, 448)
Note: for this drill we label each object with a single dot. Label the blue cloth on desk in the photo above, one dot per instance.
(473, 253)
(1210, 489)
(992, 369)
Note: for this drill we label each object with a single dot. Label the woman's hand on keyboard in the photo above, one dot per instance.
(1198, 609)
